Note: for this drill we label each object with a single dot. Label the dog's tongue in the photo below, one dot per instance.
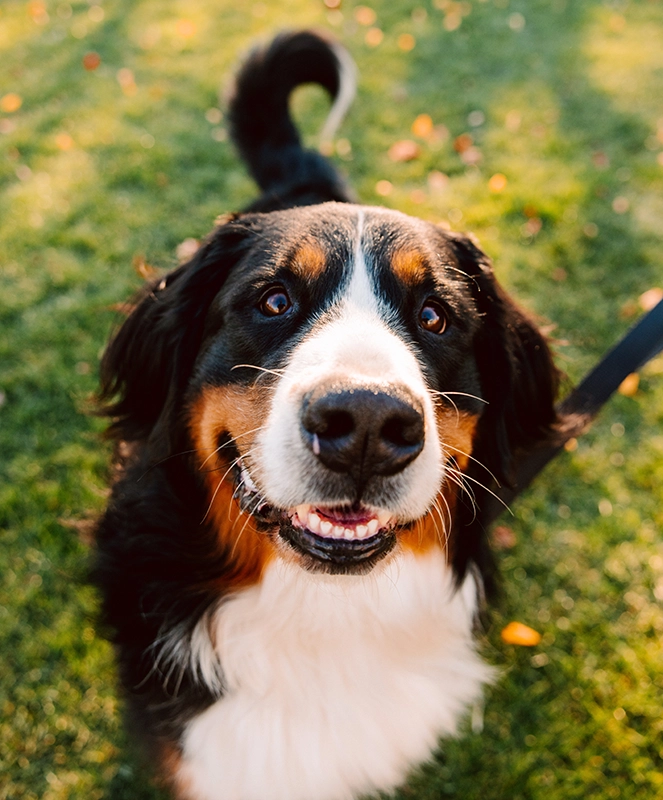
(345, 516)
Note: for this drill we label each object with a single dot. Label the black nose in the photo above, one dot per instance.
(363, 431)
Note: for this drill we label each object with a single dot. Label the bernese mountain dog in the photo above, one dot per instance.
(310, 415)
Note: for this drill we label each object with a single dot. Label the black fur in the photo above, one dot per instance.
(263, 131)
(159, 566)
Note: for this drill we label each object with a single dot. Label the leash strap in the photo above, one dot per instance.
(640, 344)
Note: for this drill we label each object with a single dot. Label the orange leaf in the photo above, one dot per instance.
(517, 633)
(365, 15)
(497, 183)
(406, 42)
(91, 61)
(463, 142)
(11, 102)
(629, 386)
(422, 126)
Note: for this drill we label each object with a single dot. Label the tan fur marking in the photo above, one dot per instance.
(238, 412)
(456, 433)
(309, 261)
(168, 776)
(408, 265)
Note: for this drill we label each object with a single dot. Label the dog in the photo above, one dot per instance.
(310, 415)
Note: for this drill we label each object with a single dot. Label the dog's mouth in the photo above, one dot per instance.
(342, 538)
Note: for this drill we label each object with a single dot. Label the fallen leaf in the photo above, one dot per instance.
(405, 150)
(373, 37)
(471, 156)
(628, 310)
(383, 188)
(127, 81)
(64, 141)
(84, 527)
(437, 181)
(187, 249)
(365, 15)
(11, 102)
(422, 126)
(37, 10)
(620, 205)
(650, 298)
(406, 42)
(503, 537)
(629, 386)
(145, 270)
(452, 21)
(185, 28)
(91, 61)
(463, 142)
(497, 183)
(517, 633)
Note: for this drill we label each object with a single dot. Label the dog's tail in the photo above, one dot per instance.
(263, 131)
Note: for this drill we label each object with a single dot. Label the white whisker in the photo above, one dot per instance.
(485, 488)
(460, 394)
(476, 461)
(216, 491)
(277, 372)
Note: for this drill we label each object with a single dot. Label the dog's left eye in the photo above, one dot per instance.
(275, 302)
(432, 317)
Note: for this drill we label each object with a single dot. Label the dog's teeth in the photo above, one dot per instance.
(313, 523)
(306, 517)
(383, 519)
(249, 485)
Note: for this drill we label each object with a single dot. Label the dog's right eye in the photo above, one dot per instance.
(275, 302)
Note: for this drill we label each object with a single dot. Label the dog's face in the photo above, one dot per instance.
(340, 371)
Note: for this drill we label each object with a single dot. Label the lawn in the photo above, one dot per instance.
(538, 125)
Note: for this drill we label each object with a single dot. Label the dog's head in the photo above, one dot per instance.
(347, 377)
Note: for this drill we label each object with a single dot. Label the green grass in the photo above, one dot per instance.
(93, 178)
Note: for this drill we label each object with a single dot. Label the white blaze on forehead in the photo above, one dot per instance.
(360, 293)
(353, 344)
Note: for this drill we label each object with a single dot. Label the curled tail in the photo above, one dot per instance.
(263, 131)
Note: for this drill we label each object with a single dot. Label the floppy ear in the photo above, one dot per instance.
(147, 365)
(517, 372)
(519, 380)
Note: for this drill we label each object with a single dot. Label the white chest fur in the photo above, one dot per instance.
(335, 686)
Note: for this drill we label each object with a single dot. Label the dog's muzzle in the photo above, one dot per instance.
(361, 434)
(363, 431)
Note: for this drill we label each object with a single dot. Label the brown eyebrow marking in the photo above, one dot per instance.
(409, 265)
(309, 261)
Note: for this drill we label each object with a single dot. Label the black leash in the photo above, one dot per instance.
(642, 342)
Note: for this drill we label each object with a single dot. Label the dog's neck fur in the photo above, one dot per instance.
(334, 686)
